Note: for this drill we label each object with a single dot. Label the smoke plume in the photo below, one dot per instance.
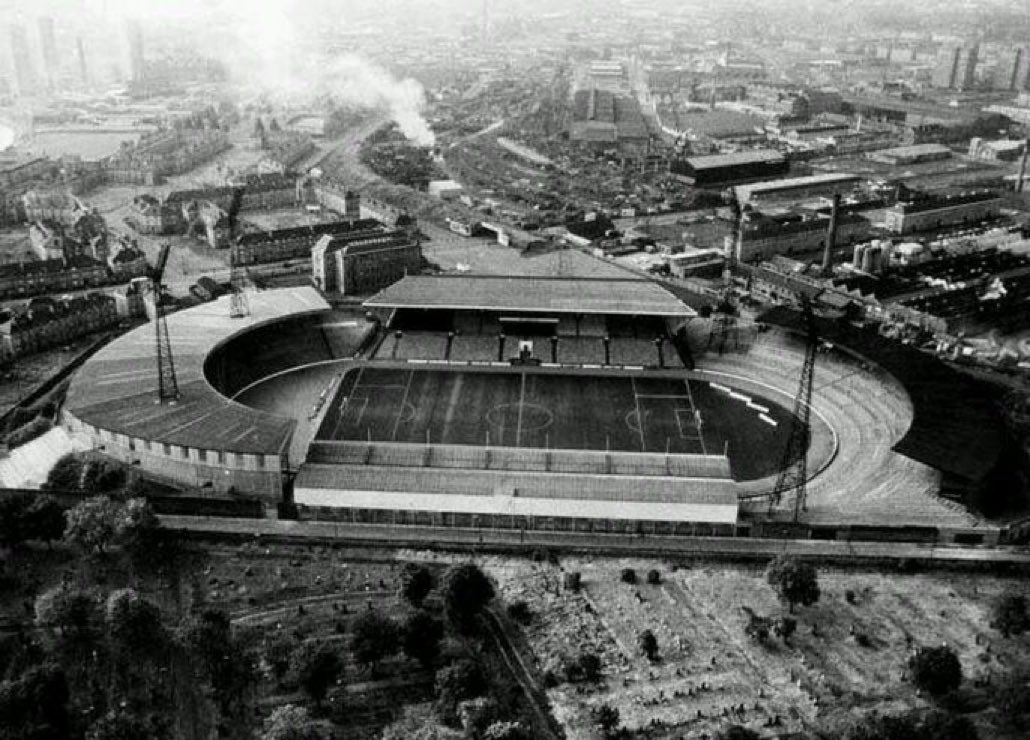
(275, 56)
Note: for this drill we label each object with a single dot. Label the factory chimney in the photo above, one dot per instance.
(831, 237)
(1022, 166)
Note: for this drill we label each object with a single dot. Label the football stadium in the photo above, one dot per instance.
(542, 403)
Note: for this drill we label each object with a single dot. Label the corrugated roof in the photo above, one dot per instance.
(116, 389)
(531, 295)
(713, 161)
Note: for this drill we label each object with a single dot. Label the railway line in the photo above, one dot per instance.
(643, 544)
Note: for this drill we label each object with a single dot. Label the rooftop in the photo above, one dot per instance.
(531, 295)
(712, 161)
(116, 389)
(744, 192)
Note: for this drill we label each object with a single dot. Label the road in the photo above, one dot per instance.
(606, 544)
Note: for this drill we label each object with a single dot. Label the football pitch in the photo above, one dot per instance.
(531, 409)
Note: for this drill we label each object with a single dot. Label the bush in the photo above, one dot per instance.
(654, 577)
(520, 612)
(628, 575)
(1009, 615)
(375, 637)
(416, 583)
(936, 670)
(648, 645)
(590, 666)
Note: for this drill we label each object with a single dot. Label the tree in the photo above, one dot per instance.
(374, 638)
(66, 609)
(121, 724)
(456, 683)
(35, 705)
(628, 575)
(274, 126)
(794, 580)
(14, 524)
(225, 661)
(590, 665)
(137, 525)
(278, 651)
(45, 519)
(884, 727)
(93, 524)
(422, 635)
(66, 475)
(606, 717)
(1009, 615)
(936, 670)
(133, 623)
(291, 722)
(102, 477)
(315, 668)
(466, 592)
(737, 732)
(946, 726)
(654, 577)
(648, 645)
(416, 583)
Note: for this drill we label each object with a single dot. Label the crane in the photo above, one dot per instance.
(168, 385)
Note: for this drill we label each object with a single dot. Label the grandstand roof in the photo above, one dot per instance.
(517, 493)
(531, 295)
(956, 427)
(116, 389)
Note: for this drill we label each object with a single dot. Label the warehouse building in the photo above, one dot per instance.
(926, 211)
(797, 188)
(717, 170)
(915, 154)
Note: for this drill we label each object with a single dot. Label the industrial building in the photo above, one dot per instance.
(762, 237)
(915, 154)
(604, 118)
(926, 211)
(717, 170)
(797, 188)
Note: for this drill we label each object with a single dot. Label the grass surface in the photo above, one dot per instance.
(592, 412)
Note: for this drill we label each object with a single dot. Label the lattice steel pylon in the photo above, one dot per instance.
(239, 307)
(793, 474)
(167, 383)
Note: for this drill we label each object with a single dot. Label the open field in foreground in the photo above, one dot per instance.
(708, 668)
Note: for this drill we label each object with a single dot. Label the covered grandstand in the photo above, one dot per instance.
(523, 402)
(203, 439)
(588, 321)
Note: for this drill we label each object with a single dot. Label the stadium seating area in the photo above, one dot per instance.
(474, 347)
(597, 487)
(585, 462)
(581, 350)
(265, 351)
(867, 482)
(639, 352)
(422, 346)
